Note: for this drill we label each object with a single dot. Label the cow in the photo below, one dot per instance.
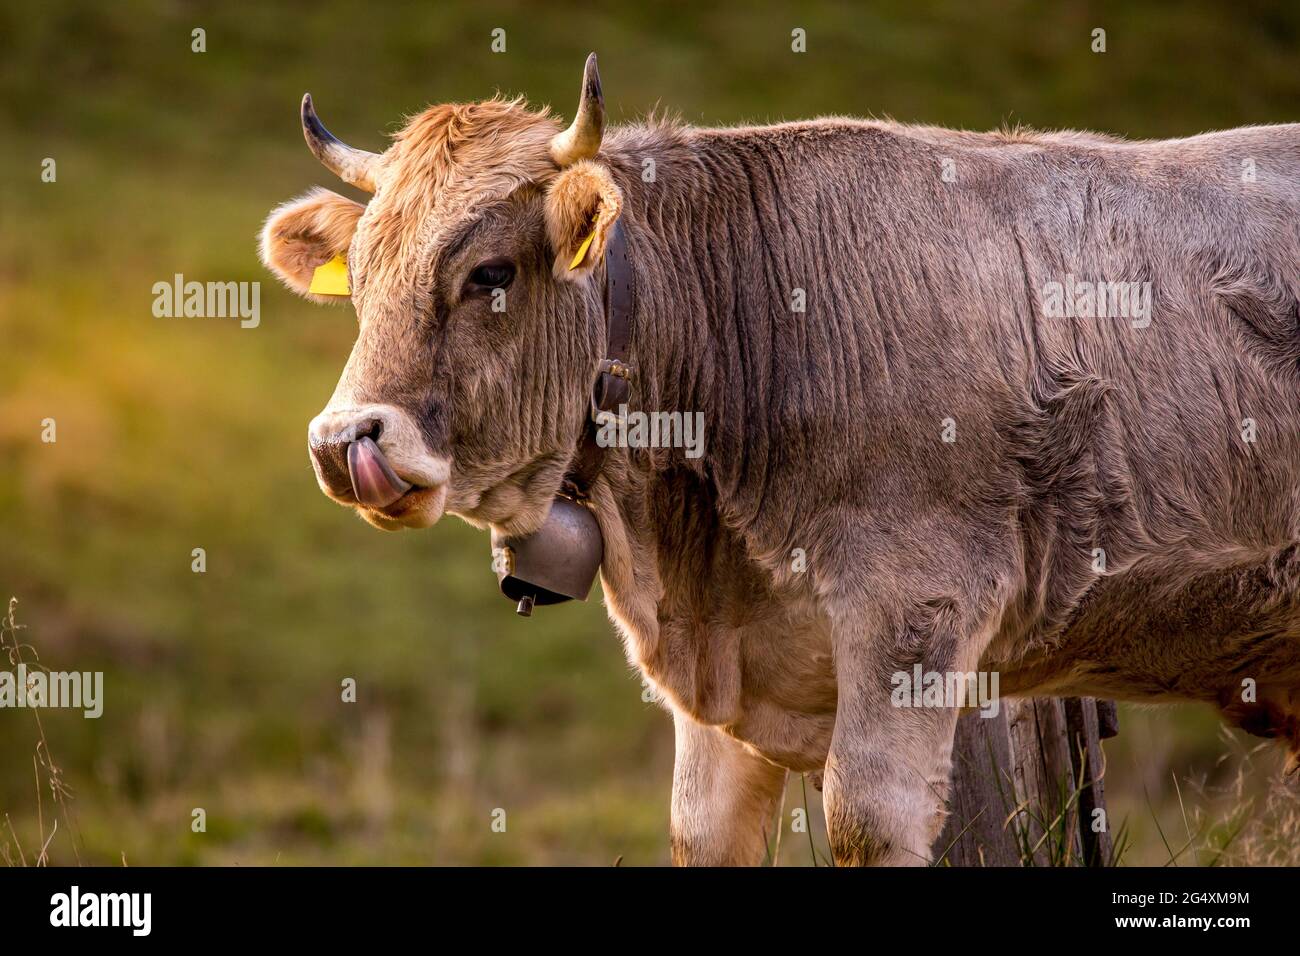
(935, 433)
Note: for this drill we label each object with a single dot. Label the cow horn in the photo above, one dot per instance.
(355, 167)
(582, 139)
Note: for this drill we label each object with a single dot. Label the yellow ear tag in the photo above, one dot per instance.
(331, 278)
(582, 251)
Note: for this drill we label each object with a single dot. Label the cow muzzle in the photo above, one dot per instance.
(373, 458)
(374, 482)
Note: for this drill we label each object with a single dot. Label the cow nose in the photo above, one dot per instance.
(330, 456)
(357, 454)
(350, 463)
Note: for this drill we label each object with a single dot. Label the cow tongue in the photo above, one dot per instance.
(374, 482)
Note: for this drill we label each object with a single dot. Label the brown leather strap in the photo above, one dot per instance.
(613, 382)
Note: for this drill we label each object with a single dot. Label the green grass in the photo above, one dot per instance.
(223, 688)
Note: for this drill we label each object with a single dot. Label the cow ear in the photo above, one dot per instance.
(582, 205)
(304, 234)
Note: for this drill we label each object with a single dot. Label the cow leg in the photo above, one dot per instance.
(724, 798)
(1275, 714)
(887, 772)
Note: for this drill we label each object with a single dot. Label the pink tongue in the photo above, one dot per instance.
(373, 480)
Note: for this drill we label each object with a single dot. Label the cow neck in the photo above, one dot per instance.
(614, 374)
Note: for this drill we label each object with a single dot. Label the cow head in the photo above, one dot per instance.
(479, 325)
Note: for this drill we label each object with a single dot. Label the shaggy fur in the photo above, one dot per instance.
(829, 536)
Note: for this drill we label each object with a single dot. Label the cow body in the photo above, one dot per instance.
(912, 456)
(1075, 437)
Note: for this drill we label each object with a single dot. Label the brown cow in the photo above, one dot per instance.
(1015, 402)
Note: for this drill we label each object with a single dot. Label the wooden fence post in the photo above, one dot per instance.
(1027, 785)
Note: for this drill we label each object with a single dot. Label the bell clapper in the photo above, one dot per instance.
(525, 608)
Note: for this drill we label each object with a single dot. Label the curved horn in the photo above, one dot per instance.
(354, 166)
(582, 139)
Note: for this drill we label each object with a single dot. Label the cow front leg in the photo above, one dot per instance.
(887, 772)
(724, 798)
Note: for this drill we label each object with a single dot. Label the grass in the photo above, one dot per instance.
(1236, 810)
(45, 771)
(1233, 820)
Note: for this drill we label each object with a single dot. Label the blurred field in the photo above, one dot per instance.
(223, 688)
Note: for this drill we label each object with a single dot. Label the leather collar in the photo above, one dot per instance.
(613, 382)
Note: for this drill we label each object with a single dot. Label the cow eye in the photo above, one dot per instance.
(493, 274)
